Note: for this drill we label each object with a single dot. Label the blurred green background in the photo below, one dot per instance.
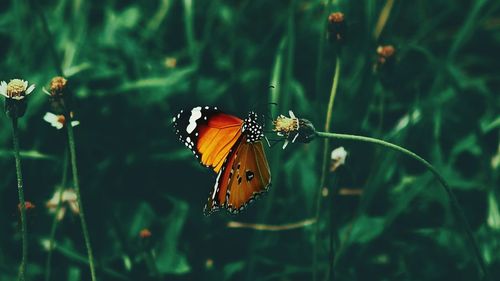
(132, 65)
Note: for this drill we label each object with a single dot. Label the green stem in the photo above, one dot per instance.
(59, 191)
(331, 102)
(22, 204)
(454, 202)
(74, 169)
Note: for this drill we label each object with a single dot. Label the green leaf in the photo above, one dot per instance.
(365, 229)
(169, 259)
(493, 213)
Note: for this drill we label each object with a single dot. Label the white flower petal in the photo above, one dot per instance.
(58, 125)
(45, 91)
(291, 114)
(75, 123)
(339, 154)
(30, 89)
(50, 117)
(25, 83)
(3, 88)
(18, 97)
(285, 144)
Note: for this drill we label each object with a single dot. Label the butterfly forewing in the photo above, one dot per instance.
(208, 133)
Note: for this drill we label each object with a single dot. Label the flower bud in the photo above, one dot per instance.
(58, 94)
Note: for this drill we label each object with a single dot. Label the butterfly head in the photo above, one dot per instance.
(253, 130)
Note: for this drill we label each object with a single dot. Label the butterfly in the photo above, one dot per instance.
(232, 148)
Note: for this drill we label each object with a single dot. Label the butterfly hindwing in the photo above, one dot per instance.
(208, 133)
(249, 176)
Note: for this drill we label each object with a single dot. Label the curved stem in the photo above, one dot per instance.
(22, 204)
(454, 202)
(331, 102)
(74, 169)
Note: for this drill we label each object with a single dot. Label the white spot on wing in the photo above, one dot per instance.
(195, 115)
(216, 184)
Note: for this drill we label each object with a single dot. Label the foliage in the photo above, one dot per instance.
(132, 65)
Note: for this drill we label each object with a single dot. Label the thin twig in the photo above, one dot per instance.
(454, 202)
(74, 169)
(271, 227)
(22, 204)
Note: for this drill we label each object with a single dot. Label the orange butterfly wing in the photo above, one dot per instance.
(209, 133)
(243, 178)
(250, 176)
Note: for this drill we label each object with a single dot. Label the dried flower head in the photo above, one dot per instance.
(294, 129)
(16, 89)
(336, 27)
(338, 157)
(66, 198)
(385, 53)
(58, 121)
(57, 86)
(145, 233)
(57, 93)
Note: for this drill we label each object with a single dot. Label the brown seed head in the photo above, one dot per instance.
(386, 51)
(145, 233)
(337, 17)
(57, 85)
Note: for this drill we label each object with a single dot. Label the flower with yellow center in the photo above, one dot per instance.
(16, 89)
(286, 126)
(294, 129)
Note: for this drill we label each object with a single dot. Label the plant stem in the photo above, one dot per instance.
(22, 204)
(454, 202)
(59, 191)
(74, 169)
(331, 102)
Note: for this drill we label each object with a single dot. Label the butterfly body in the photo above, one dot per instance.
(232, 148)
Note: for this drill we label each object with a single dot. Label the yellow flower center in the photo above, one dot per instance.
(286, 125)
(16, 88)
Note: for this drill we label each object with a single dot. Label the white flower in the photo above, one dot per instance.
(338, 157)
(67, 196)
(58, 121)
(16, 89)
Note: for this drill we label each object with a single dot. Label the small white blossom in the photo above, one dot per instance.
(58, 121)
(338, 157)
(16, 89)
(68, 198)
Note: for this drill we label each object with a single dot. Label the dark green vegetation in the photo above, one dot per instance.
(439, 97)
